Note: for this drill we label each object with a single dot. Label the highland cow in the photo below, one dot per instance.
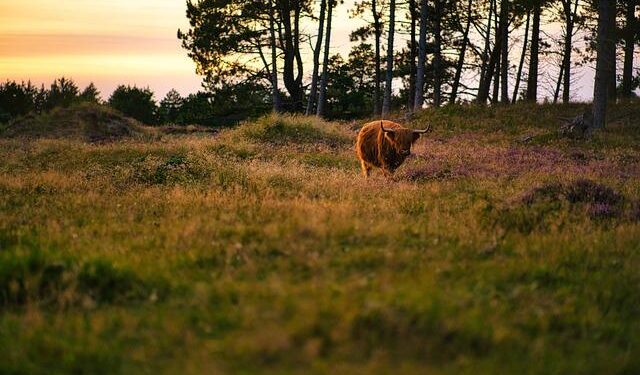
(385, 145)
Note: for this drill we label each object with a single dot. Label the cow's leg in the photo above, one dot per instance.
(366, 169)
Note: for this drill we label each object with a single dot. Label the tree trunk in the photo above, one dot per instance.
(422, 54)
(522, 57)
(604, 65)
(629, 45)
(556, 92)
(611, 89)
(504, 65)
(412, 57)
(487, 45)
(386, 104)
(496, 80)
(325, 64)
(377, 26)
(568, 43)
(497, 46)
(532, 78)
(316, 61)
(437, 58)
(463, 50)
(485, 86)
(274, 62)
(292, 80)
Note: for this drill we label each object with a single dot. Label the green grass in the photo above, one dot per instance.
(262, 250)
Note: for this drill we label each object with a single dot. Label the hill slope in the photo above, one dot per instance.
(87, 122)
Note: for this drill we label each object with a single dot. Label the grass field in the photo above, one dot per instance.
(498, 248)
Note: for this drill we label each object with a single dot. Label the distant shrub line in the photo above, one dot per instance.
(223, 107)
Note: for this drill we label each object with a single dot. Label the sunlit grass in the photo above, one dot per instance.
(262, 250)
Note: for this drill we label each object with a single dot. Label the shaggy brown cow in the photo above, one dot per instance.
(385, 144)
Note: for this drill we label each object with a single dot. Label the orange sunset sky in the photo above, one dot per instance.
(108, 42)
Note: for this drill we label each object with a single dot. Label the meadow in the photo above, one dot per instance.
(499, 247)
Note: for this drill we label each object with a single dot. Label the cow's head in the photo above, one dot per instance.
(402, 138)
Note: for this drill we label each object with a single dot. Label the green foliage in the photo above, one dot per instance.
(18, 99)
(63, 93)
(135, 102)
(169, 108)
(90, 94)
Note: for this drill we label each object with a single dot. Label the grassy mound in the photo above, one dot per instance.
(539, 122)
(282, 130)
(86, 122)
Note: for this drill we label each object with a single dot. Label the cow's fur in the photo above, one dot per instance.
(384, 150)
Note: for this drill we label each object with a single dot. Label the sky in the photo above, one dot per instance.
(112, 42)
(108, 42)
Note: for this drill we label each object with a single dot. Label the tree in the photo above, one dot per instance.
(316, 61)
(504, 45)
(169, 109)
(90, 94)
(422, 55)
(63, 93)
(630, 37)
(437, 55)
(325, 64)
(16, 99)
(412, 56)
(523, 54)
(135, 102)
(196, 109)
(570, 20)
(461, 56)
(532, 77)
(374, 27)
(604, 62)
(226, 40)
(386, 101)
(275, 92)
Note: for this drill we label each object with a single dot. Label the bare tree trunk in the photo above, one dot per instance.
(292, 79)
(629, 45)
(556, 92)
(377, 26)
(496, 82)
(437, 58)
(497, 46)
(316, 61)
(422, 54)
(485, 86)
(412, 57)
(568, 43)
(611, 89)
(604, 65)
(532, 78)
(386, 103)
(487, 47)
(274, 62)
(325, 65)
(463, 50)
(504, 65)
(522, 57)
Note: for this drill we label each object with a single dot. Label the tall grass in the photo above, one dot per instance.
(262, 250)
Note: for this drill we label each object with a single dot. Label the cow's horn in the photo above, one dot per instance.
(424, 130)
(386, 130)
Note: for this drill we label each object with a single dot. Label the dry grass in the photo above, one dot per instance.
(262, 250)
